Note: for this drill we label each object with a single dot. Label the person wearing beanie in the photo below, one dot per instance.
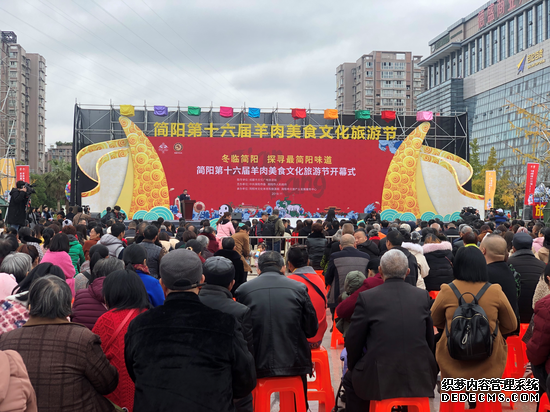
(198, 353)
(135, 259)
(219, 275)
(524, 262)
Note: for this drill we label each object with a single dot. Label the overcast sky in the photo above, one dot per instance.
(261, 53)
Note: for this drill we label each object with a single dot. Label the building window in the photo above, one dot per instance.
(399, 65)
(387, 75)
(368, 64)
(511, 38)
(548, 19)
(369, 92)
(502, 42)
(479, 53)
(540, 36)
(13, 74)
(459, 63)
(487, 50)
(520, 33)
(387, 83)
(530, 27)
(495, 46)
(368, 74)
(466, 60)
(387, 65)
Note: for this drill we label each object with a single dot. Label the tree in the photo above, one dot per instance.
(476, 164)
(503, 178)
(56, 180)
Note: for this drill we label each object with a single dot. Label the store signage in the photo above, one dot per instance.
(497, 10)
(531, 60)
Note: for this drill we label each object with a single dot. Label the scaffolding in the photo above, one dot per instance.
(8, 121)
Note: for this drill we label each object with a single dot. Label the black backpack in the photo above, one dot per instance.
(470, 338)
(269, 228)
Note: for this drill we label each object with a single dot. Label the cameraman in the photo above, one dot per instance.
(19, 197)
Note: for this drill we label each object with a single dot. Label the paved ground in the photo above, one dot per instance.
(336, 376)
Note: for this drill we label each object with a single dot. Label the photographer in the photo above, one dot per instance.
(19, 197)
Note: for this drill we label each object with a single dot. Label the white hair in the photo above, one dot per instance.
(394, 264)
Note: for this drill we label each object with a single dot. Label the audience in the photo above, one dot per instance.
(242, 246)
(219, 275)
(283, 319)
(135, 257)
(113, 240)
(89, 303)
(96, 252)
(14, 310)
(228, 251)
(58, 254)
(391, 367)
(66, 365)
(470, 272)
(17, 264)
(340, 264)
(16, 391)
(316, 244)
(125, 298)
(439, 257)
(96, 232)
(214, 364)
(298, 264)
(154, 252)
(523, 260)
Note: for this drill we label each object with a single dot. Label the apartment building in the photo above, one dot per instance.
(22, 104)
(378, 81)
(59, 151)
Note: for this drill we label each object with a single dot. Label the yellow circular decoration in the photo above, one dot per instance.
(409, 162)
(159, 202)
(155, 194)
(403, 189)
(394, 168)
(417, 143)
(156, 175)
(396, 196)
(141, 200)
(141, 159)
(386, 195)
(157, 164)
(405, 179)
(409, 151)
(147, 187)
(427, 149)
(394, 178)
(411, 172)
(410, 202)
(146, 177)
(141, 148)
(164, 192)
(387, 184)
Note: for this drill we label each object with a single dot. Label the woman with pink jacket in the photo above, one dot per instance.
(16, 391)
(224, 227)
(58, 254)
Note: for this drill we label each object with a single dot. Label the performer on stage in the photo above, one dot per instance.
(184, 196)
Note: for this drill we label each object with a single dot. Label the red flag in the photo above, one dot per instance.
(531, 183)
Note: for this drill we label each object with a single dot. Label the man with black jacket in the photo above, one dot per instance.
(340, 264)
(399, 340)
(228, 251)
(219, 275)
(184, 355)
(19, 198)
(283, 318)
(530, 269)
(493, 248)
(394, 240)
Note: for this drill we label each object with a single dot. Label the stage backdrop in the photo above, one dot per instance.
(301, 177)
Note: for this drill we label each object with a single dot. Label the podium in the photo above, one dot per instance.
(188, 209)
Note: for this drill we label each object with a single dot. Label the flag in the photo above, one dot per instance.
(531, 183)
(127, 110)
(490, 188)
(161, 111)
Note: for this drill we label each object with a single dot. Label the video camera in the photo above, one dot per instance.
(30, 188)
(469, 209)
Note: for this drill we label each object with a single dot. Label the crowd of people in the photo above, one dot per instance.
(105, 315)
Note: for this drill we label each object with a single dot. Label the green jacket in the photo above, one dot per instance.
(77, 254)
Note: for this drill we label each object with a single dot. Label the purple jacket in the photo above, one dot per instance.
(89, 304)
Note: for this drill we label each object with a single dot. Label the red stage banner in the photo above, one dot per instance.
(23, 173)
(257, 172)
(531, 183)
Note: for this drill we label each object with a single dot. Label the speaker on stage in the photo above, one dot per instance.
(362, 216)
(237, 216)
(527, 212)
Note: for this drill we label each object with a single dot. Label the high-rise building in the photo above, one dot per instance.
(22, 104)
(61, 151)
(380, 80)
(493, 64)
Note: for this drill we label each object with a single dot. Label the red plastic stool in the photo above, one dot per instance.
(516, 359)
(544, 405)
(289, 388)
(321, 388)
(336, 338)
(434, 293)
(414, 404)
